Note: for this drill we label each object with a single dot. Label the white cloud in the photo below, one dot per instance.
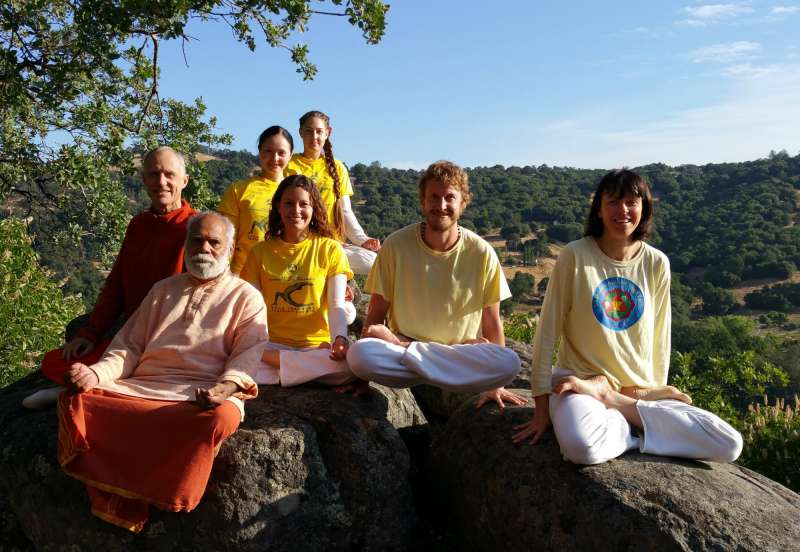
(747, 70)
(726, 53)
(784, 10)
(699, 16)
(562, 125)
(760, 114)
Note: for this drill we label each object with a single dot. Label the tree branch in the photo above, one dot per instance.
(154, 88)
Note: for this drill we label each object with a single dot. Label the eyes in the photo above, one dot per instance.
(198, 241)
(628, 202)
(291, 204)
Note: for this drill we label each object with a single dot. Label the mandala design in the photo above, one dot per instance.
(617, 303)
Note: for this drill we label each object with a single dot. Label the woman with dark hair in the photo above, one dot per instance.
(246, 202)
(302, 273)
(608, 301)
(331, 176)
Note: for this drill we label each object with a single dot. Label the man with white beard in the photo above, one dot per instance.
(146, 420)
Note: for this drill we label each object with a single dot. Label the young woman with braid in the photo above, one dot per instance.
(246, 202)
(302, 273)
(333, 180)
(608, 301)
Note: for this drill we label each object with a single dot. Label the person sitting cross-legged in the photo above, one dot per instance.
(439, 287)
(151, 251)
(142, 425)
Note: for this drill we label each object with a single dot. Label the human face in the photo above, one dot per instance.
(296, 210)
(164, 178)
(314, 133)
(442, 205)
(620, 215)
(207, 248)
(274, 155)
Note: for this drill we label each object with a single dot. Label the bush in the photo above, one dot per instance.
(33, 311)
(520, 326)
(772, 442)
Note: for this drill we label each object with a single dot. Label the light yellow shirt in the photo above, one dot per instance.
(247, 204)
(437, 296)
(613, 317)
(292, 279)
(317, 171)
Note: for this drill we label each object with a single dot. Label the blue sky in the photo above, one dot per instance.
(582, 84)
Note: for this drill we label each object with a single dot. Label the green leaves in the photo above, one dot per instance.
(32, 309)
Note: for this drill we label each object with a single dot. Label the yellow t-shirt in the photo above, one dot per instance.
(317, 171)
(613, 317)
(437, 296)
(292, 278)
(247, 204)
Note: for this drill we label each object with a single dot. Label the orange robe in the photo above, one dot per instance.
(136, 439)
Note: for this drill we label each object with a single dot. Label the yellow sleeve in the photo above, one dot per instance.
(229, 205)
(338, 260)
(557, 303)
(381, 276)
(344, 179)
(495, 286)
(662, 330)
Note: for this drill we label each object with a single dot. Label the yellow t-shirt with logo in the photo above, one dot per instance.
(292, 277)
(437, 296)
(317, 171)
(247, 204)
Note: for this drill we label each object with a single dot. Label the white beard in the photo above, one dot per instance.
(204, 266)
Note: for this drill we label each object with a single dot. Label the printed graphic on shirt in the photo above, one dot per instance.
(617, 303)
(286, 295)
(260, 222)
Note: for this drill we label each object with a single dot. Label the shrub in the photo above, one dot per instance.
(33, 311)
(772, 441)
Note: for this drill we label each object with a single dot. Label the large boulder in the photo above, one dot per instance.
(501, 496)
(308, 469)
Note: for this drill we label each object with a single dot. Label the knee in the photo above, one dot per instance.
(579, 451)
(358, 356)
(509, 364)
(728, 446)
(225, 418)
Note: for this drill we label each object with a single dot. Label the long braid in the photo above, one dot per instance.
(330, 163)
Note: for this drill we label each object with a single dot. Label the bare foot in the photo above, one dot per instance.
(356, 388)
(380, 331)
(656, 393)
(596, 387)
(272, 358)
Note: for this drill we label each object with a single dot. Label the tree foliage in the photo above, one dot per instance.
(32, 309)
(79, 82)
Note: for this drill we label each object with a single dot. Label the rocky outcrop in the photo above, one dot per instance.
(309, 469)
(501, 496)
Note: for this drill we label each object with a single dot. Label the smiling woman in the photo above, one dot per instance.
(609, 298)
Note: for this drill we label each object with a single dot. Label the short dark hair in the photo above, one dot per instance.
(275, 130)
(616, 184)
(319, 218)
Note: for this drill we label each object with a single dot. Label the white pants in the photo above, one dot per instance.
(590, 433)
(360, 259)
(302, 366)
(456, 368)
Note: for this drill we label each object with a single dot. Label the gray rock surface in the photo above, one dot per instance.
(309, 469)
(501, 496)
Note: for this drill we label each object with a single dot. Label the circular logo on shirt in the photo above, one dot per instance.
(617, 303)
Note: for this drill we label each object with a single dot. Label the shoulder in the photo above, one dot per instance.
(171, 284)
(656, 257)
(236, 289)
(403, 235)
(326, 244)
(476, 245)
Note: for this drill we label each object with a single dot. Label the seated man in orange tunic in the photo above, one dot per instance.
(142, 425)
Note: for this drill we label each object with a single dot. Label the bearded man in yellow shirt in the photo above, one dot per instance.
(434, 315)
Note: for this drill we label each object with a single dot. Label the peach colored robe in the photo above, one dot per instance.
(187, 334)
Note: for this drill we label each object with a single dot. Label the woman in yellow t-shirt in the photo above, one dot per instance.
(246, 202)
(302, 273)
(331, 177)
